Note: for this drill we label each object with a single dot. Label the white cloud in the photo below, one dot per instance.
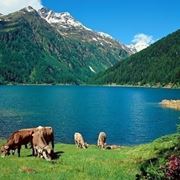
(8, 6)
(142, 41)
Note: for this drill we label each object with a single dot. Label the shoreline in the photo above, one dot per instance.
(109, 144)
(94, 85)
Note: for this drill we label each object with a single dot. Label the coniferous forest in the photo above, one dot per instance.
(159, 64)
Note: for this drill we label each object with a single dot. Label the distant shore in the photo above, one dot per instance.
(98, 85)
(139, 86)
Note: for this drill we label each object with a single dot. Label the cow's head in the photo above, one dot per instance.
(5, 151)
(86, 145)
(48, 153)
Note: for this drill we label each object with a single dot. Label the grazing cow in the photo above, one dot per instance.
(101, 142)
(109, 147)
(79, 141)
(16, 140)
(48, 134)
(22, 137)
(41, 148)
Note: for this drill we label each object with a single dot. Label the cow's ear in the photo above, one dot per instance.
(6, 147)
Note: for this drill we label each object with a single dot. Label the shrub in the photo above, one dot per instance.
(173, 168)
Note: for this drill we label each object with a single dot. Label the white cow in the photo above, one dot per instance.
(79, 141)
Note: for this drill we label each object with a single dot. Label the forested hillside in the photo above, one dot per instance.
(34, 51)
(158, 65)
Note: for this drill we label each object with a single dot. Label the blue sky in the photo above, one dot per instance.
(123, 18)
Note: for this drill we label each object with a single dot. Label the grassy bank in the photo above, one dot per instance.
(91, 163)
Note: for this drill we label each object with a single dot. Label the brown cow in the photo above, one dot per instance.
(79, 141)
(16, 140)
(41, 148)
(101, 142)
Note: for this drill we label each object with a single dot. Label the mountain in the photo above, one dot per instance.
(69, 27)
(159, 64)
(48, 47)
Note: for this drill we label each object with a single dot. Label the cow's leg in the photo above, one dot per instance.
(33, 153)
(52, 143)
(79, 145)
(33, 150)
(19, 150)
(25, 146)
(98, 143)
(13, 152)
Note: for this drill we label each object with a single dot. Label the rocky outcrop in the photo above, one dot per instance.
(174, 104)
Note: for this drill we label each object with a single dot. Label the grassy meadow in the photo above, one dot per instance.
(91, 163)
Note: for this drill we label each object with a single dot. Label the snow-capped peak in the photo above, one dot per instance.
(64, 22)
(63, 19)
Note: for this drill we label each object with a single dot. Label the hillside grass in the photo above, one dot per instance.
(91, 163)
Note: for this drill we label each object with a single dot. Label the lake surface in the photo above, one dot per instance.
(128, 115)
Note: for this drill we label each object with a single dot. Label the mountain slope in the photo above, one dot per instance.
(159, 64)
(69, 27)
(34, 50)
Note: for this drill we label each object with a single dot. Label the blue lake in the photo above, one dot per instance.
(127, 115)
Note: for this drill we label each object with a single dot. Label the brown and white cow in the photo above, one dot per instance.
(41, 148)
(79, 141)
(101, 142)
(48, 134)
(24, 137)
(16, 140)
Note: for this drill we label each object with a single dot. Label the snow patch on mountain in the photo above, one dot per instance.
(94, 39)
(105, 35)
(92, 69)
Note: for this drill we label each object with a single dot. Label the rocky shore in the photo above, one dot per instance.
(174, 104)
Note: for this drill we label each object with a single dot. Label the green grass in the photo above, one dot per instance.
(91, 163)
